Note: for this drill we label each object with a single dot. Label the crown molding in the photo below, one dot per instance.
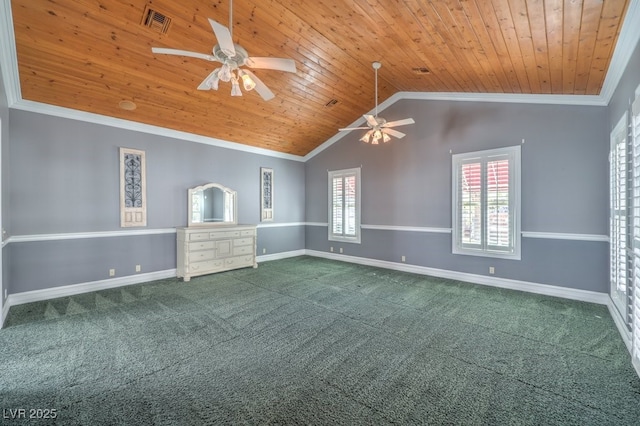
(627, 41)
(8, 55)
(515, 98)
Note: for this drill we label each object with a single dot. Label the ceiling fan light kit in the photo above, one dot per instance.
(379, 128)
(232, 57)
(247, 82)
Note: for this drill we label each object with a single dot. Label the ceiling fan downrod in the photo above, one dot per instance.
(231, 18)
(376, 66)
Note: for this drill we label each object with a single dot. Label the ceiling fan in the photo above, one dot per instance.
(233, 56)
(378, 127)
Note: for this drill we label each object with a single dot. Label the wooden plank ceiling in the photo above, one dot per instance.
(91, 55)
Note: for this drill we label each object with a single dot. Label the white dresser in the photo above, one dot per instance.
(205, 250)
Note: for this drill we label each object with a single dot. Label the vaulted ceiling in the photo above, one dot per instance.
(92, 55)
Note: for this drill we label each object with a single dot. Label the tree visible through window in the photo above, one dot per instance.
(486, 193)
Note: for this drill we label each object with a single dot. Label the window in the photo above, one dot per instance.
(634, 291)
(486, 203)
(344, 205)
(624, 225)
(618, 217)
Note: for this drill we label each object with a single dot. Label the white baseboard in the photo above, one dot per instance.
(278, 256)
(622, 328)
(5, 312)
(73, 289)
(546, 289)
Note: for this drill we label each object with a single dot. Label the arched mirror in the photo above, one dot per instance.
(212, 204)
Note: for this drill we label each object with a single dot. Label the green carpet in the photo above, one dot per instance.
(313, 341)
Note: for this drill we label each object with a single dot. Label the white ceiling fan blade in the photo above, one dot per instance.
(353, 128)
(207, 83)
(223, 35)
(279, 64)
(261, 88)
(399, 122)
(179, 52)
(371, 120)
(392, 132)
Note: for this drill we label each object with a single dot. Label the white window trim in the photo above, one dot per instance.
(334, 237)
(514, 153)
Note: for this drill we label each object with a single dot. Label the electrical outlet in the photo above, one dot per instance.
(5, 294)
(340, 249)
(264, 250)
(137, 268)
(112, 272)
(492, 270)
(331, 249)
(404, 259)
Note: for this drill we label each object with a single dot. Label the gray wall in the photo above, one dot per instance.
(407, 182)
(65, 179)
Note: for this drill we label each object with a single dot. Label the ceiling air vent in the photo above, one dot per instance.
(155, 20)
(420, 70)
(331, 103)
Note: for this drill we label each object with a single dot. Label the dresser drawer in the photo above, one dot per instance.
(197, 256)
(224, 234)
(198, 236)
(247, 233)
(203, 245)
(204, 267)
(242, 250)
(243, 242)
(235, 262)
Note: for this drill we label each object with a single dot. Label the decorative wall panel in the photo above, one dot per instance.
(266, 194)
(133, 186)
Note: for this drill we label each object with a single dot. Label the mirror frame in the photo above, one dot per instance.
(228, 192)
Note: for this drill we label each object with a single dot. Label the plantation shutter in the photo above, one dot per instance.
(337, 205)
(470, 204)
(634, 294)
(344, 205)
(618, 217)
(499, 215)
(350, 205)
